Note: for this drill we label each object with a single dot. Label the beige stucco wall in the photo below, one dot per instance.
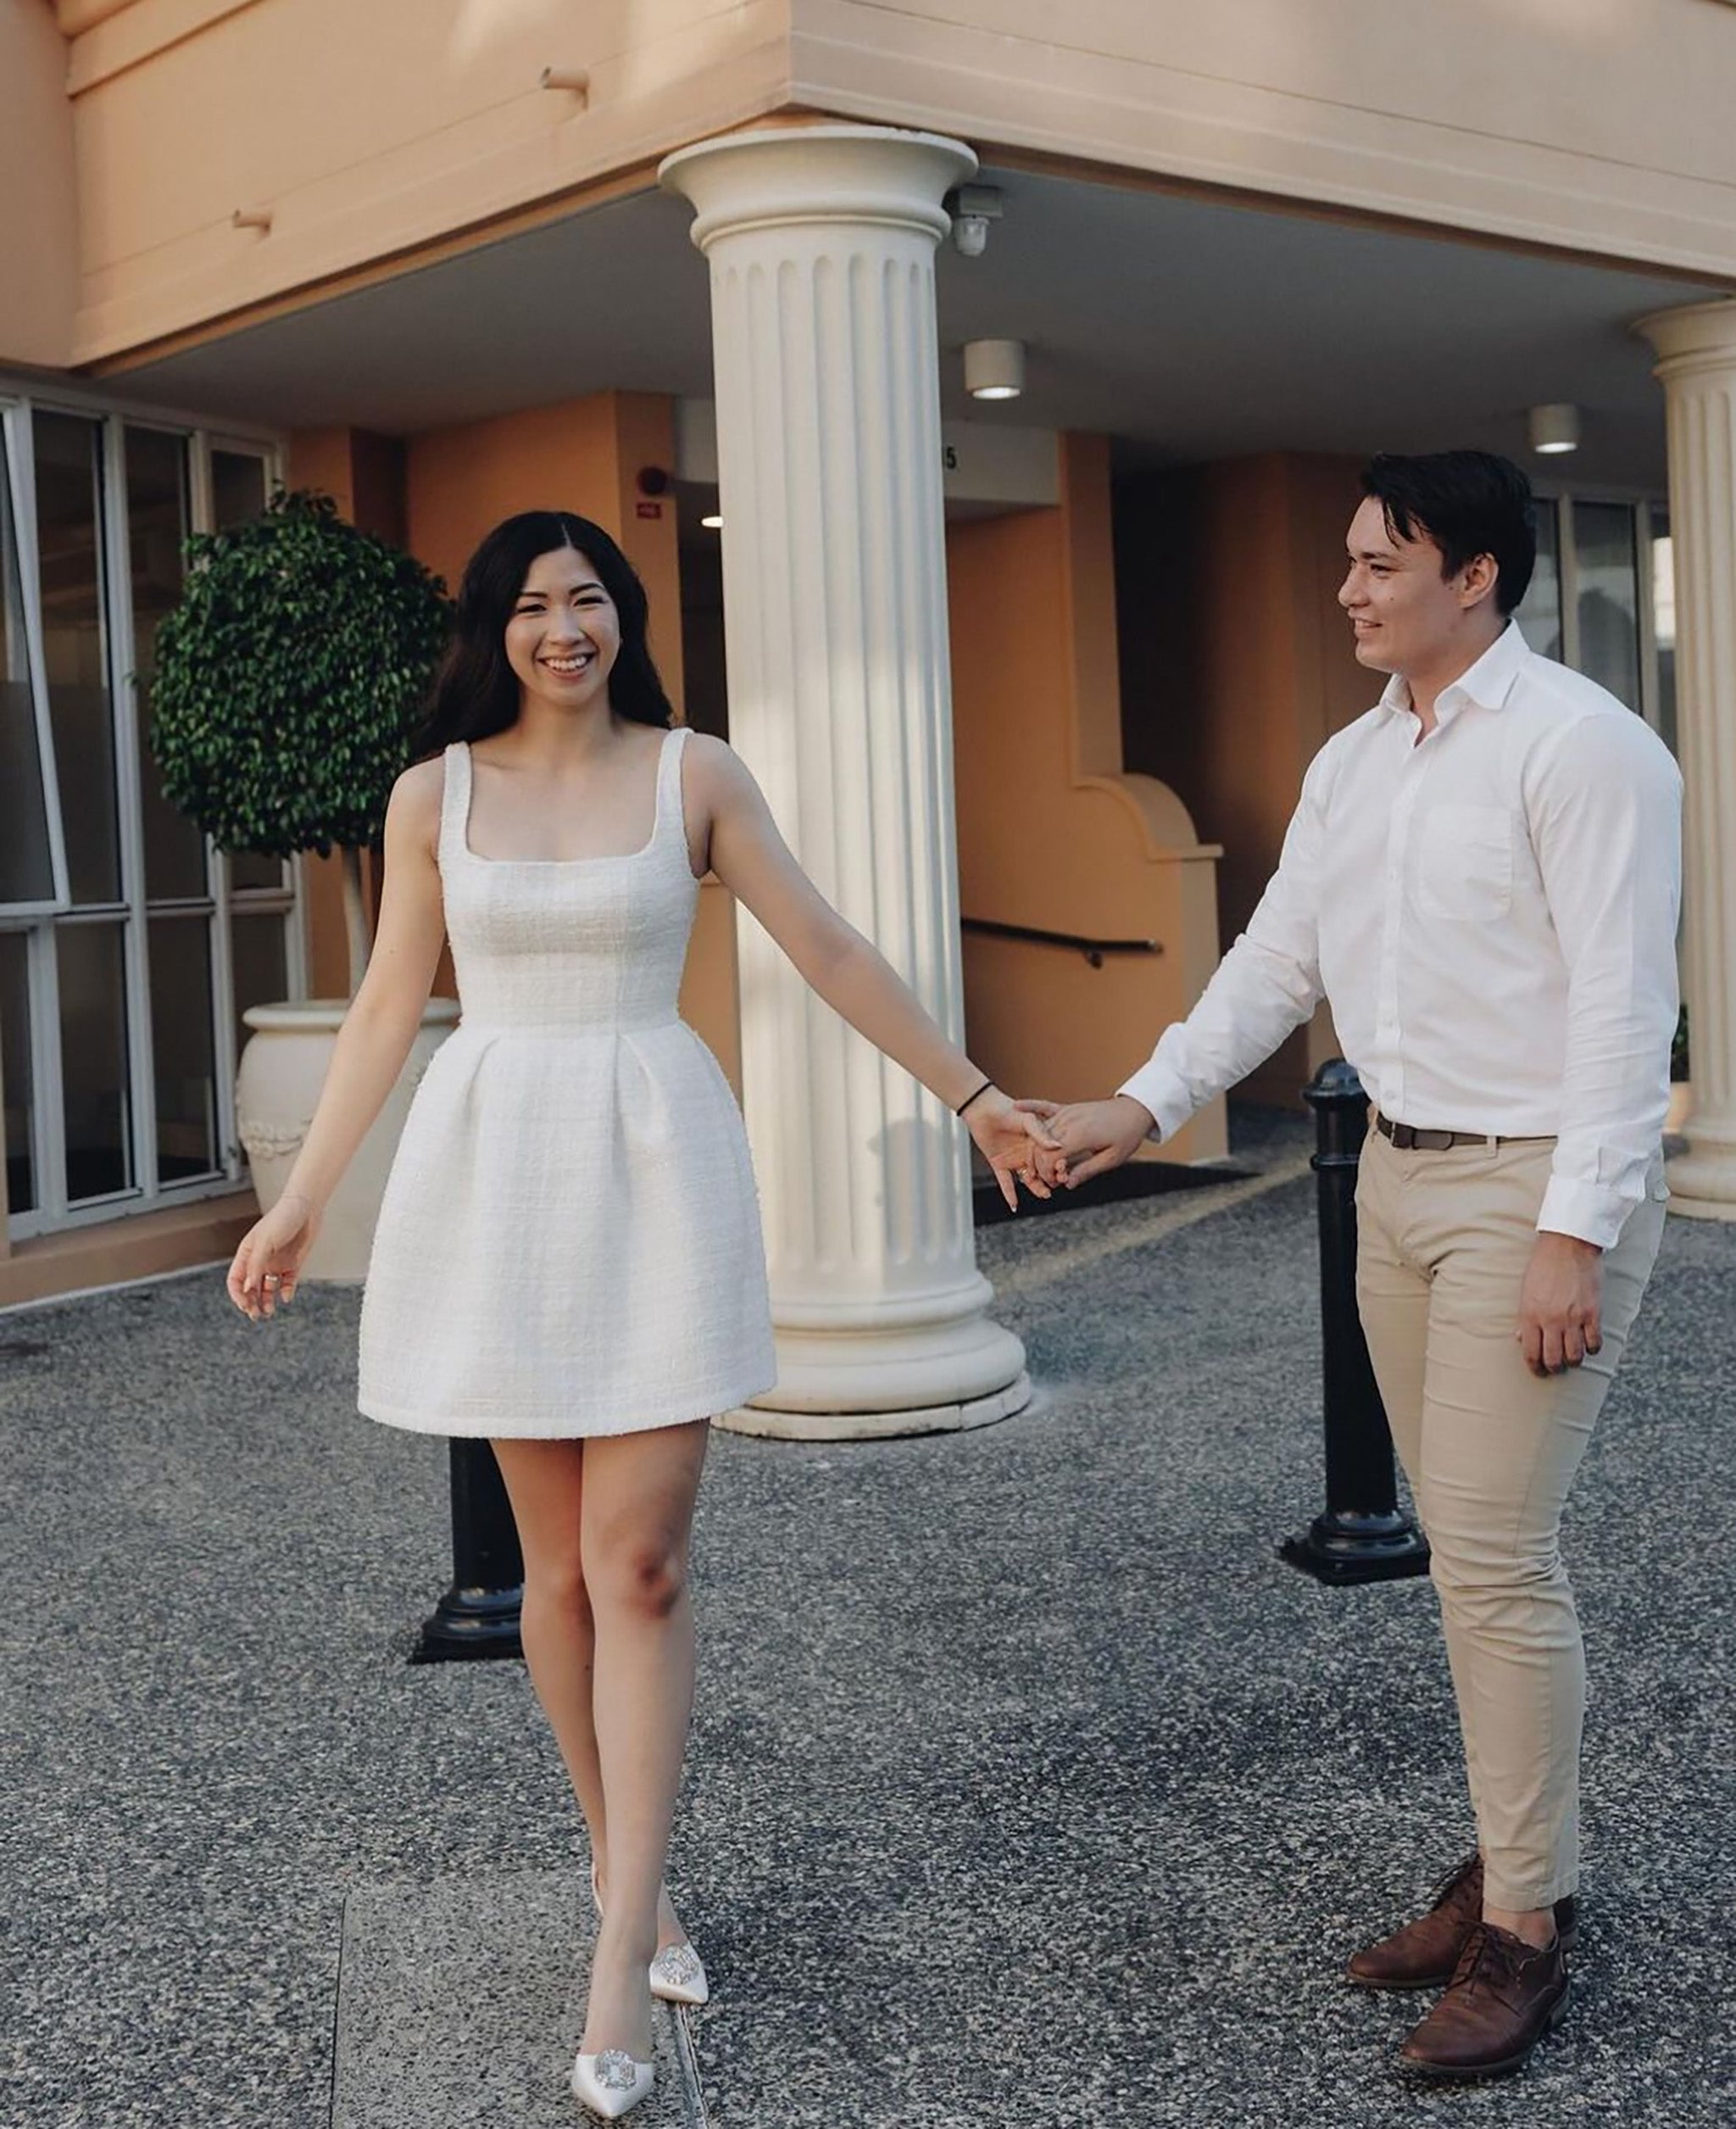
(1053, 835)
(1599, 124)
(365, 130)
(39, 229)
(375, 135)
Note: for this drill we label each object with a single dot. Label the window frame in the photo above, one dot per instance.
(217, 908)
(17, 433)
(1641, 505)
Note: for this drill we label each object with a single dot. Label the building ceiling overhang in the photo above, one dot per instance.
(1187, 327)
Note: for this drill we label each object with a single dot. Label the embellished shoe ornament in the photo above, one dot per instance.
(678, 1976)
(612, 2082)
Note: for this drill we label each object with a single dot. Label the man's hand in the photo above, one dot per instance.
(1094, 1136)
(1560, 1303)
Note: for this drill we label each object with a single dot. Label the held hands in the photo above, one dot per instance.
(1092, 1137)
(269, 1262)
(1560, 1304)
(1012, 1139)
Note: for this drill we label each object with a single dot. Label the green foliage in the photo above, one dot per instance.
(289, 677)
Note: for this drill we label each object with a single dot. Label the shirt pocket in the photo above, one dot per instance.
(1465, 862)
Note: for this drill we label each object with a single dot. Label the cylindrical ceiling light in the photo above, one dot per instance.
(994, 368)
(1555, 428)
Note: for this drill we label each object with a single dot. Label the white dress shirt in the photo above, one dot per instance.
(1491, 912)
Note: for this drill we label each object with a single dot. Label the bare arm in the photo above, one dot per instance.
(370, 1049)
(753, 861)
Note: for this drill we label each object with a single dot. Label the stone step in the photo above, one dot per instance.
(460, 2003)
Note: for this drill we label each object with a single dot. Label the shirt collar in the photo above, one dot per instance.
(1490, 682)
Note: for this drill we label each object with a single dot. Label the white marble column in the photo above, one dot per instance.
(820, 241)
(1697, 367)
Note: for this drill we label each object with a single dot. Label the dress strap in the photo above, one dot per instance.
(454, 801)
(671, 819)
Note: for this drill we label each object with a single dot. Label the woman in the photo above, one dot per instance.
(568, 1260)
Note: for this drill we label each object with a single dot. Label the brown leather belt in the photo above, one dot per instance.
(1408, 1138)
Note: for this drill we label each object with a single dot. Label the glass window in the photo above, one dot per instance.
(124, 1117)
(156, 527)
(1663, 610)
(1538, 614)
(260, 953)
(238, 487)
(1606, 566)
(94, 1060)
(15, 1078)
(184, 1056)
(249, 870)
(26, 863)
(70, 538)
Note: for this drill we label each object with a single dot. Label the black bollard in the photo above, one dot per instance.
(479, 1615)
(1362, 1537)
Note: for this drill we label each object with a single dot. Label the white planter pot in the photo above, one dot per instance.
(282, 1070)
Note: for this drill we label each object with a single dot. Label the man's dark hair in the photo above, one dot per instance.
(1468, 503)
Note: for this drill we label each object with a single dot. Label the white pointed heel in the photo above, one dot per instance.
(677, 1972)
(612, 2082)
(678, 1976)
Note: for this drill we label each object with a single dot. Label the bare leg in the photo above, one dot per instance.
(544, 1484)
(637, 1515)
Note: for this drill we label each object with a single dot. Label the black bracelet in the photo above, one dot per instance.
(981, 1090)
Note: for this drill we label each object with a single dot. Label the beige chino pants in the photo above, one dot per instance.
(1490, 1451)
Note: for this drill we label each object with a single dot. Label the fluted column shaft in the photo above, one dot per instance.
(1697, 367)
(820, 242)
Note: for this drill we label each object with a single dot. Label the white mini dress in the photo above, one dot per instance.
(569, 1239)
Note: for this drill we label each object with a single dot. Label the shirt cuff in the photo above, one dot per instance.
(1157, 1087)
(1585, 1210)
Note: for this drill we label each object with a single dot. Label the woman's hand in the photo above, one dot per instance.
(269, 1262)
(1015, 1143)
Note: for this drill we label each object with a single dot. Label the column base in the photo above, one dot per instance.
(768, 1422)
(1703, 1180)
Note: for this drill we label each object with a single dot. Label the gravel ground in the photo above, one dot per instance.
(1027, 1786)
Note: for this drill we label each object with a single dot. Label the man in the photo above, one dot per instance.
(1482, 879)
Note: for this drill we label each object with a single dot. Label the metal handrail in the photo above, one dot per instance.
(1093, 949)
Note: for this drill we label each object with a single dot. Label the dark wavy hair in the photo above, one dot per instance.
(1468, 503)
(475, 691)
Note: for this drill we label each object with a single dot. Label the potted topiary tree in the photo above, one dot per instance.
(287, 681)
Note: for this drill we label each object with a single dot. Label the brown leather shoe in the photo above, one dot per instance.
(1425, 1953)
(1504, 1997)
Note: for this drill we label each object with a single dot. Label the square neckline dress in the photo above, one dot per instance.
(569, 1243)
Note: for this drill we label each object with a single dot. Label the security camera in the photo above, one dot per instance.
(973, 208)
(971, 234)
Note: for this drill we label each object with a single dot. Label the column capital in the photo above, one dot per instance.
(1696, 337)
(769, 176)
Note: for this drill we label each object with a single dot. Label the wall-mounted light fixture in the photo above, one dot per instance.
(712, 524)
(1554, 428)
(994, 368)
